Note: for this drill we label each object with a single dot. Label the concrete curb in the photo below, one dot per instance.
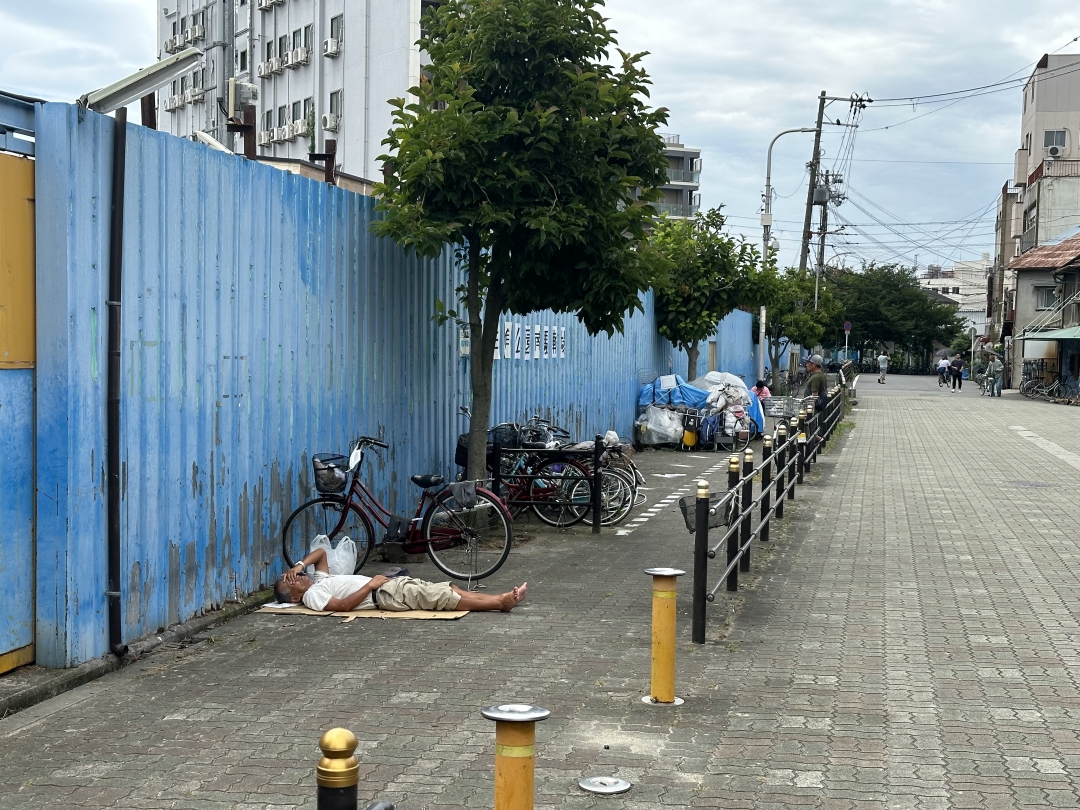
(58, 681)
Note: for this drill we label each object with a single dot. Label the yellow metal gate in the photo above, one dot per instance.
(17, 356)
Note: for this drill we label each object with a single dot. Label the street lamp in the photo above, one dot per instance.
(142, 82)
(766, 226)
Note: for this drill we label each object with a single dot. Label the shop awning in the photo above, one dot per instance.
(1072, 333)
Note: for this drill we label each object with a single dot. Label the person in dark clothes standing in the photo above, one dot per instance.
(956, 370)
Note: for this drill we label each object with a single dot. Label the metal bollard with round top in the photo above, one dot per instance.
(515, 753)
(662, 692)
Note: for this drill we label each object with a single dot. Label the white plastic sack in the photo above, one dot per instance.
(340, 560)
(660, 426)
(715, 379)
(611, 439)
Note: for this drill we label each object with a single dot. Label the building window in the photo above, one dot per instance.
(1045, 298)
(309, 107)
(309, 36)
(268, 119)
(175, 25)
(1054, 137)
(197, 18)
(955, 290)
(183, 83)
(337, 28)
(335, 103)
(296, 111)
(282, 115)
(283, 45)
(195, 80)
(298, 38)
(269, 50)
(243, 61)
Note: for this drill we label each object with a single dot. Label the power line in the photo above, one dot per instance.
(936, 162)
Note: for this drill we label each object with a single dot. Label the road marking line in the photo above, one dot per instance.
(687, 466)
(623, 532)
(1056, 450)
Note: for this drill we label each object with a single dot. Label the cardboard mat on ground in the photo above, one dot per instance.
(349, 615)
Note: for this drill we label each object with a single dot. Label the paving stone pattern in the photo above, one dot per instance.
(908, 641)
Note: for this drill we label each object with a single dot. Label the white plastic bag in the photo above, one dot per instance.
(660, 426)
(340, 560)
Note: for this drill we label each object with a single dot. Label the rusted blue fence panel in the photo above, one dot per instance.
(261, 323)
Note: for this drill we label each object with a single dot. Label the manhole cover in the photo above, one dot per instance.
(606, 785)
(1030, 484)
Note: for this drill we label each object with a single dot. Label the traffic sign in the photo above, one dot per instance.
(847, 326)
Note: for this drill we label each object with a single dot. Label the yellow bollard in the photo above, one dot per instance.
(663, 637)
(338, 771)
(515, 753)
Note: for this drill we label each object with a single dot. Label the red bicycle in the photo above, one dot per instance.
(467, 535)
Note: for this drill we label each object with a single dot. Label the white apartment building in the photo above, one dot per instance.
(325, 69)
(681, 197)
(965, 283)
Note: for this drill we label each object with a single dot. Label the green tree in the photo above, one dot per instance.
(709, 274)
(790, 314)
(886, 305)
(536, 158)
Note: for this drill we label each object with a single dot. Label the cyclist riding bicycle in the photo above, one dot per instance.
(942, 370)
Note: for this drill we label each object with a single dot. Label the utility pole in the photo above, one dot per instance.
(804, 250)
(823, 228)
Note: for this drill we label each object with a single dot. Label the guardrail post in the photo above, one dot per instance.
(781, 468)
(515, 753)
(597, 499)
(663, 636)
(748, 509)
(701, 560)
(801, 442)
(733, 537)
(766, 480)
(338, 771)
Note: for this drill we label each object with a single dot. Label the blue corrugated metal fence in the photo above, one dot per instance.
(261, 323)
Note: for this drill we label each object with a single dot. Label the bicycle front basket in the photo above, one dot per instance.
(331, 472)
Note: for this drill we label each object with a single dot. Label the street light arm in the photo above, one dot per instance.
(768, 165)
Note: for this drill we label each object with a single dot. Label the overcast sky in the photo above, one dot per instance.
(733, 74)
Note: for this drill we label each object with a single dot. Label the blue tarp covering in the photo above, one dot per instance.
(685, 394)
(681, 394)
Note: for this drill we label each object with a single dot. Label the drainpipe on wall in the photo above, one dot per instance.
(112, 434)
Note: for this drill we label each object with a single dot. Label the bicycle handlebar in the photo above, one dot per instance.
(372, 442)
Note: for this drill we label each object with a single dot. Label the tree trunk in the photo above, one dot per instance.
(691, 361)
(775, 353)
(483, 333)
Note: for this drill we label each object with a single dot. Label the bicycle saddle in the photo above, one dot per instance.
(425, 481)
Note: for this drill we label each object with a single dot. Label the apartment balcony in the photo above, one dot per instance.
(671, 140)
(683, 176)
(675, 209)
(1061, 168)
(1028, 238)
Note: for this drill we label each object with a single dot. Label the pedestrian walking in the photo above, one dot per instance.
(956, 370)
(883, 366)
(995, 371)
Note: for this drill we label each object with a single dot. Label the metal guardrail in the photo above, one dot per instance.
(785, 460)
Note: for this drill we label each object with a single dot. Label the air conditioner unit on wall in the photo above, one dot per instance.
(1055, 151)
(299, 56)
(331, 48)
(277, 64)
(263, 70)
(170, 103)
(198, 32)
(189, 36)
(330, 122)
(167, 46)
(264, 138)
(299, 128)
(178, 42)
(196, 96)
(265, 5)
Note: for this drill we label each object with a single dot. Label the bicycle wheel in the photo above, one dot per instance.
(467, 542)
(324, 516)
(1027, 386)
(559, 502)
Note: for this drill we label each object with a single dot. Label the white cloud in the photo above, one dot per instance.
(733, 74)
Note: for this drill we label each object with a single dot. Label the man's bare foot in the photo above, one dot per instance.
(512, 599)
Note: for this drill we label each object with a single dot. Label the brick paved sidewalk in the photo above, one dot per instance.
(909, 642)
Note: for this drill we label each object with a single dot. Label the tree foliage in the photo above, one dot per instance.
(790, 314)
(709, 274)
(885, 304)
(533, 155)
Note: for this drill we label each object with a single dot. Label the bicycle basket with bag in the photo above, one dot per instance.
(331, 473)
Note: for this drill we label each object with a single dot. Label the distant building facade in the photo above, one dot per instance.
(681, 197)
(324, 70)
(964, 284)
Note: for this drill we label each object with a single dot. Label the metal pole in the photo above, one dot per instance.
(824, 223)
(515, 753)
(766, 479)
(766, 225)
(804, 248)
(748, 517)
(701, 560)
(662, 690)
(733, 537)
(338, 771)
(597, 500)
(781, 468)
(496, 474)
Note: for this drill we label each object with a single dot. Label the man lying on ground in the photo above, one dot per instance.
(343, 592)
